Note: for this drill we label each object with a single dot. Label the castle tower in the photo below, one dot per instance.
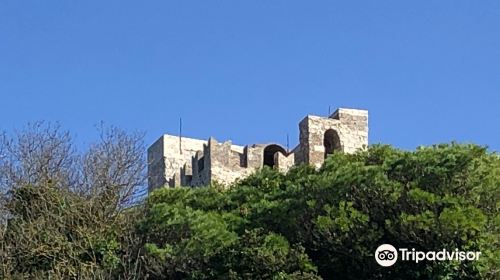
(345, 130)
(174, 161)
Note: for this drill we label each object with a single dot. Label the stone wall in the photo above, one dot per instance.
(201, 168)
(349, 125)
(255, 155)
(167, 156)
(227, 162)
(284, 162)
(354, 124)
(174, 161)
(156, 165)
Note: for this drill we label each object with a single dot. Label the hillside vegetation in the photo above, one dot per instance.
(306, 224)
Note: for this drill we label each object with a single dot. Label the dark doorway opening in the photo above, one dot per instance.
(331, 141)
(269, 153)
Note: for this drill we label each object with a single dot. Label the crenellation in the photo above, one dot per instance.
(284, 162)
(175, 161)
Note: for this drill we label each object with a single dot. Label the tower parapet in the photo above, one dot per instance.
(175, 161)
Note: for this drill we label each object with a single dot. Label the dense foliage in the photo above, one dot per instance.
(329, 222)
(306, 224)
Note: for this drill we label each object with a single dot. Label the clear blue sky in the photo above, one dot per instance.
(428, 71)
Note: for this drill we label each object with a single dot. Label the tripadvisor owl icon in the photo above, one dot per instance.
(386, 255)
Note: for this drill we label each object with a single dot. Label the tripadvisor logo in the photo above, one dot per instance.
(387, 255)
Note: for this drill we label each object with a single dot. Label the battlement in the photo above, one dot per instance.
(181, 161)
(343, 113)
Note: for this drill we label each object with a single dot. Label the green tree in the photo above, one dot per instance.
(66, 215)
(438, 197)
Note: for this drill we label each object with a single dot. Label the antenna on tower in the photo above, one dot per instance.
(180, 136)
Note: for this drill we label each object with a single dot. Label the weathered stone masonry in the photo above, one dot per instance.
(175, 161)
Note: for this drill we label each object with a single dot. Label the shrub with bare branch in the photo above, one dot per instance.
(60, 211)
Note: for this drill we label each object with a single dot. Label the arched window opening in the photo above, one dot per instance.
(331, 142)
(269, 153)
(201, 164)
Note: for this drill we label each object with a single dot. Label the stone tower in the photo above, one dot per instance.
(175, 161)
(345, 130)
